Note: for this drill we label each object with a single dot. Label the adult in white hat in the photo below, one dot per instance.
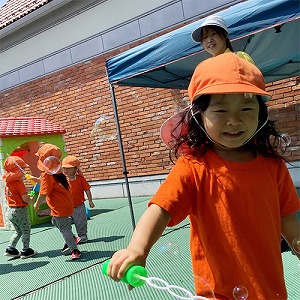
(213, 35)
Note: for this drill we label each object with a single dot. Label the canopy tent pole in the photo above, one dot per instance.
(125, 172)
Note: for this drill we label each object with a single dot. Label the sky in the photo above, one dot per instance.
(2, 2)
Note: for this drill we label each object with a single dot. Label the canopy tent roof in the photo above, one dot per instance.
(267, 30)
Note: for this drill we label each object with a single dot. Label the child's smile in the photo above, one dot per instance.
(231, 119)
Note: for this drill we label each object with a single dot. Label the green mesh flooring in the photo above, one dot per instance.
(53, 276)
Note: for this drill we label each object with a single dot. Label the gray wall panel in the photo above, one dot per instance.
(163, 18)
(193, 8)
(9, 80)
(87, 49)
(57, 61)
(122, 35)
(31, 71)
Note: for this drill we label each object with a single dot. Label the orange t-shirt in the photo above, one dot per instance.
(13, 193)
(235, 212)
(58, 198)
(78, 186)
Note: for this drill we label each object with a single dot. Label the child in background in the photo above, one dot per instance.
(79, 186)
(18, 200)
(229, 180)
(213, 35)
(56, 191)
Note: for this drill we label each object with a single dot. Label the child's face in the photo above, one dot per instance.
(231, 119)
(212, 42)
(70, 172)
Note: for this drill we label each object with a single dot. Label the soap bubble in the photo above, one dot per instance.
(240, 292)
(168, 249)
(296, 245)
(104, 129)
(202, 285)
(285, 140)
(51, 165)
(180, 101)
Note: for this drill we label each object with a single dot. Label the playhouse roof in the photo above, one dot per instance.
(28, 126)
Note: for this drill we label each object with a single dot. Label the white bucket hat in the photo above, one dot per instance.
(209, 21)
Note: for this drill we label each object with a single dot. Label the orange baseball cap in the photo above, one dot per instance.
(223, 74)
(13, 165)
(226, 74)
(45, 151)
(70, 161)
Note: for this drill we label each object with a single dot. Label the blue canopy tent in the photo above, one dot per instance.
(267, 30)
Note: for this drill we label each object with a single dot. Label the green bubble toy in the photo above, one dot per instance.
(132, 276)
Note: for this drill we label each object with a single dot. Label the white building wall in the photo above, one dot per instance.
(63, 32)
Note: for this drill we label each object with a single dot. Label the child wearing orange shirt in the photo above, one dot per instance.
(18, 200)
(79, 186)
(56, 191)
(229, 180)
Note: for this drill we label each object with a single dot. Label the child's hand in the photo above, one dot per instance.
(36, 206)
(27, 199)
(31, 200)
(121, 261)
(91, 204)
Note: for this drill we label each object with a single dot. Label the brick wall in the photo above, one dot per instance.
(284, 108)
(78, 96)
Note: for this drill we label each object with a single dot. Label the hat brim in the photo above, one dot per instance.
(196, 35)
(68, 166)
(173, 128)
(235, 88)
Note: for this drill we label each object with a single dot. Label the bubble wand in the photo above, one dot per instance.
(136, 276)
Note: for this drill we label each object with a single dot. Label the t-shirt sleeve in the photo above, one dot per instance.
(289, 200)
(84, 183)
(176, 193)
(21, 188)
(245, 56)
(46, 184)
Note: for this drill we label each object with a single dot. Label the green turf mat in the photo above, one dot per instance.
(53, 276)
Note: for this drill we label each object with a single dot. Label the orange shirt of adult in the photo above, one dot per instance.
(58, 198)
(78, 187)
(235, 212)
(13, 193)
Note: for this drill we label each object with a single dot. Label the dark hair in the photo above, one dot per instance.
(221, 32)
(62, 179)
(267, 141)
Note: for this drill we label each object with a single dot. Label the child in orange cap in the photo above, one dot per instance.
(229, 180)
(79, 186)
(18, 200)
(55, 190)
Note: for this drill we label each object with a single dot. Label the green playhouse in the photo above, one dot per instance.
(22, 136)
